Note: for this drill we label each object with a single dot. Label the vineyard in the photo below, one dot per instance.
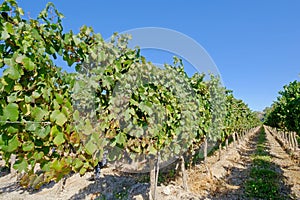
(122, 128)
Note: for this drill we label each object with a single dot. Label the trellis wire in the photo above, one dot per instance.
(26, 122)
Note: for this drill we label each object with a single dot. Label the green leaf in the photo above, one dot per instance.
(88, 128)
(20, 10)
(21, 165)
(20, 58)
(11, 112)
(36, 34)
(42, 132)
(9, 28)
(58, 117)
(4, 35)
(18, 87)
(46, 166)
(28, 99)
(59, 139)
(38, 113)
(76, 40)
(28, 64)
(54, 115)
(11, 98)
(25, 108)
(12, 72)
(12, 129)
(28, 146)
(146, 107)
(57, 165)
(61, 119)
(78, 163)
(59, 98)
(82, 171)
(76, 116)
(54, 131)
(56, 105)
(121, 138)
(35, 94)
(90, 147)
(13, 144)
(9, 62)
(152, 150)
(32, 126)
(38, 155)
(4, 6)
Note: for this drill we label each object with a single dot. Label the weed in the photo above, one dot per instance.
(263, 182)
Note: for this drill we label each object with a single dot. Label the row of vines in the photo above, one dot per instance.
(284, 114)
(116, 105)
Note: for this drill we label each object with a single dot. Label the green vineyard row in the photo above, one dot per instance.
(284, 114)
(116, 101)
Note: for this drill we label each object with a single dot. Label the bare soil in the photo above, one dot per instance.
(217, 179)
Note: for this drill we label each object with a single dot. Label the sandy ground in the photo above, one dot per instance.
(217, 179)
(237, 163)
(290, 170)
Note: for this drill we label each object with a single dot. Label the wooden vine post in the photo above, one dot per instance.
(154, 173)
(12, 162)
(296, 142)
(220, 149)
(237, 138)
(226, 143)
(184, 175)
(234, 139)
(205, 149)
(289, 140)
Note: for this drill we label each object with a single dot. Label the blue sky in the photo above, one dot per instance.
(255, 44)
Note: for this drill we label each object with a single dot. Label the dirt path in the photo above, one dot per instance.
(289, 169)
(238, 164)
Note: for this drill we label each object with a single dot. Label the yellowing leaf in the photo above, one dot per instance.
(61, 119)
(58, 117)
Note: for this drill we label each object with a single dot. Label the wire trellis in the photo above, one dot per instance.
(27, 122)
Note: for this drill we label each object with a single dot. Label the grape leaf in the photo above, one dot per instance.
(11, 112)
(59, 139)
(90, 147)
(21, 165)
(13, 144)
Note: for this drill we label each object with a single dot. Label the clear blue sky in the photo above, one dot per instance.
(255, 44)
